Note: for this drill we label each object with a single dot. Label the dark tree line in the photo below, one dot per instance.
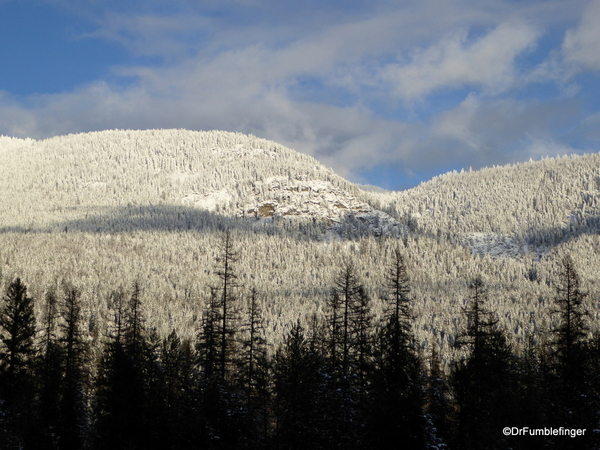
(346, 380)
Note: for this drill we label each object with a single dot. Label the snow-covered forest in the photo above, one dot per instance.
(115, 207)
(348, 379)
(116, 211)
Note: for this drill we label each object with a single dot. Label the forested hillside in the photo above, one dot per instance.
(534, 205)
(101, 222)
(115, 207)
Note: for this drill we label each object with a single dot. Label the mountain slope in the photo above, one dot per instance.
(106, 209)
(60, 180)
(525, 207)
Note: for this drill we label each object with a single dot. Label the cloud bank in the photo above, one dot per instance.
(426, 84)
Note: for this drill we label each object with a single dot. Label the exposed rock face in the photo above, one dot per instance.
(283, 197)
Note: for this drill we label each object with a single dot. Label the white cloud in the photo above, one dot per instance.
(488, 62)
(170, 37)
(581, 46)
(538, 148)
(248, 78)
(498, 131)
(579, 52)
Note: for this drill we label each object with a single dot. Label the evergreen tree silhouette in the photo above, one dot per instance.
(226, 424)
(571, 331)
(484, 384)
(254, 371)
(572, 399)
(397, 411)
(73, 410)
(437, 402)
(122, 384)
(49, 370)
(17, 332)
(227, 301)
(299, 399)
(181, 413)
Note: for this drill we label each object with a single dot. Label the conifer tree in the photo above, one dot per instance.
(334, 324)
(225, 422)
(363, 332)
(181, 405)
(397, 411)
(571, 331)
(484, 384)
(254, 370)
(48, 333)
(227, 300)
(190, 409)
(17, 331)
(532, 399)
(49, 371)
(122, 383)
(398, 290)
(437, 402)
(572, 400)
(343, 305)
(73, 414)
(396, 337)
(300, 419)
(154, 405)
(111, 406)
(481, 325)
(136, 346)
(207, 346)
(134, 328)
(349, 352)
(253, 362)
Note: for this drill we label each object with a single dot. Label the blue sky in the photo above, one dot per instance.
(386, 92)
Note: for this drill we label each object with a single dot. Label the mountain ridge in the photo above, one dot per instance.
(107, 209)
(196, 169)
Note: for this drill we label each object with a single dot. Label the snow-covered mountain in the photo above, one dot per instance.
(503, 211)
(229, 174)
(509, 210)
(109, 208)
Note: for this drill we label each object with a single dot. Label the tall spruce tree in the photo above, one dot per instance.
(571, 331)
(224, 411)
(122, 382)
(17, 332)
(348, 318)
(134, 325)
(227, 301)
(364, 339)
(299, 401)
(343, 304)
(136, 345)
(253, 371)
(110, 403)
(73, 408)
(253, 362)
(181, 414)
(481, 324)
(397, 412)
(572, 400)
(484, 386)
(49, 372)
(397, 297)
(437, 404)
(207, 346)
